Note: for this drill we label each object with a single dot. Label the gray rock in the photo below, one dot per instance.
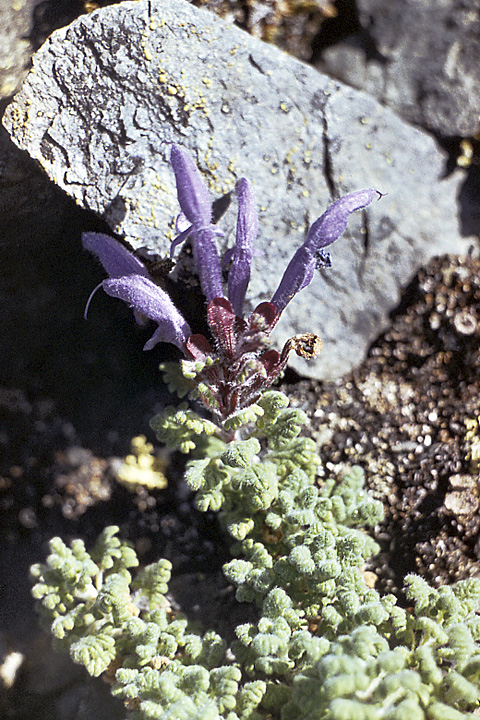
(109, 93)
(15, 48)
(421, 59)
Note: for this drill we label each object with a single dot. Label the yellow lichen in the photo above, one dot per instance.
(142, 467)
(465, 158)
(147, 51)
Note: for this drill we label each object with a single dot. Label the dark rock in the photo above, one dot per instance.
(419, 58)
(109, 93)
(288, 24)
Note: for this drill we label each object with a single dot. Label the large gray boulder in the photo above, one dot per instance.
(420, 58)
(108, 94)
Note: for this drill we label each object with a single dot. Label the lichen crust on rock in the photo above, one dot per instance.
(108, 95)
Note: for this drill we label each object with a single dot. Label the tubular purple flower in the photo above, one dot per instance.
(207, 262)
(191, 191)
(197, 208)
(333, 222)
(247, 226)
(150, 300)
(115, 258)
(323, 232)
(234, 365)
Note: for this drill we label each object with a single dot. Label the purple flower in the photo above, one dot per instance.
(197, 208)
(115, 258)
(247, 226)
(129, 281)
(323, 232)
(235, 363)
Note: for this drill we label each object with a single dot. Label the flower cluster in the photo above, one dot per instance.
(235, 364)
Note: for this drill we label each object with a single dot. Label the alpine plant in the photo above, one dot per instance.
(230, 368)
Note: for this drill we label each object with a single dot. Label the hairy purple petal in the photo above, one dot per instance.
(208, 262)
(115, 258)
(333, 222)
(197, 209)
(247, 226)
(323, 232)
(180, 239)
(182, 223)
(150, 300)
(299, 273)
(191, 191)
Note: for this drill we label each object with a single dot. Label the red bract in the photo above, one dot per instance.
(240, 365)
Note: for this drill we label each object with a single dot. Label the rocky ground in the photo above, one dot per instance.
(73, 394)
(408, 415)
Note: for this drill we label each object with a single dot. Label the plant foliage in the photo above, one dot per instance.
(325, 645)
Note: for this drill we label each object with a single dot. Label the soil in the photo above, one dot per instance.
(408, 415)
(73, 394)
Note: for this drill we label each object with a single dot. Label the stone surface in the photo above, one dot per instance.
(418, 58)
(15, 48)
(107, 94)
